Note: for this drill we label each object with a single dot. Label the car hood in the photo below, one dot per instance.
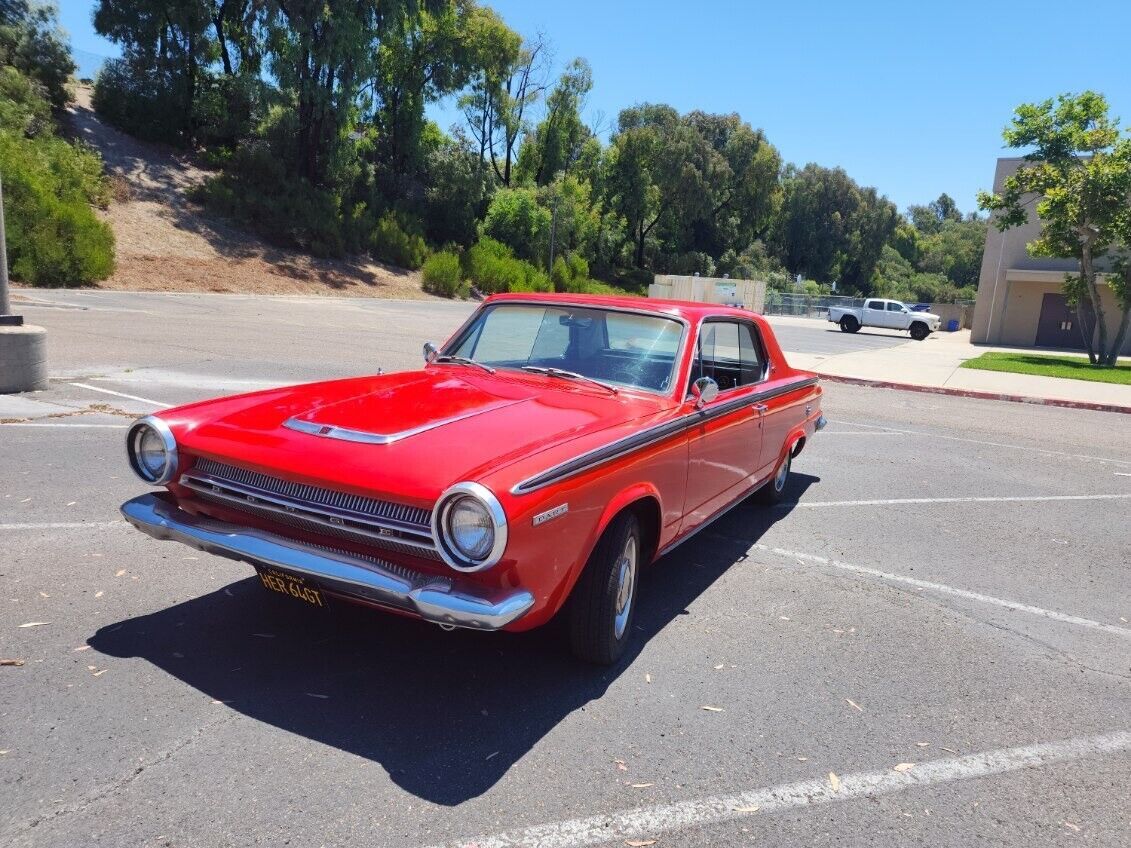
(407, 436)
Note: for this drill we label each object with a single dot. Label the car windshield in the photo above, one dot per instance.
(619, 348)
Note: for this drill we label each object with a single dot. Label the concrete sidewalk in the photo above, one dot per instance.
(935, 364)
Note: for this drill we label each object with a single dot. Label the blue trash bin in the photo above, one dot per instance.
(952, 325)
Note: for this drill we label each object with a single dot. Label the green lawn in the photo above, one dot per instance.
(1071, 367)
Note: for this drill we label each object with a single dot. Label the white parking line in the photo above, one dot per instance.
(1002, 499)
(650, 822)
(121, 395)
(862, 433)
(947, 590)
(75, 426)
(982, 442)
(61, 525)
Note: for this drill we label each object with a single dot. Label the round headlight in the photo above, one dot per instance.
(470, 527)
(152, 450)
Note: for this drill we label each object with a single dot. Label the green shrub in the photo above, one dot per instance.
(442, 275)
(54, 237)
(533, 279)
(143, 101)
(560, 275)
(391, 243)
(515, 218)
(287, 211)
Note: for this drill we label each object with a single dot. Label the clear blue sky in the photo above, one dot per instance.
(908, 97)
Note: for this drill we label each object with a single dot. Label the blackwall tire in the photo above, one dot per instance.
(919, 331)
(771, 493)
(603, 604)
(848, 324)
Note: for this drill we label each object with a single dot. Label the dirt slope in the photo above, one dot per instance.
(166, 243)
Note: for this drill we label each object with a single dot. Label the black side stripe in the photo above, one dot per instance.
(645, 438)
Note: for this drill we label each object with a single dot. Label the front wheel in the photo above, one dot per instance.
(919, 331)
(603, 603)
(771, 493)
(849, 324)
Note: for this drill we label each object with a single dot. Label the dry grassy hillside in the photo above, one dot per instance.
(167, 243)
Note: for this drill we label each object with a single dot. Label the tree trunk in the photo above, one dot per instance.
(218, 25)
(1088, 272)
(1120, 337)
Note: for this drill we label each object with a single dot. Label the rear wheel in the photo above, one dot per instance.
(603, 603)
(919, 331)
(848, 324)
(771, 493)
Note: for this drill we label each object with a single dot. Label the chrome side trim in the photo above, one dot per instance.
(442, 600)
(367, 437)
(332, 519)
(719, 513)
(652, 435)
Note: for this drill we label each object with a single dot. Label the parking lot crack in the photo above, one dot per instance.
(117, 785)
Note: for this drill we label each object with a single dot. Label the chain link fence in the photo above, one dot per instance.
(806, 305)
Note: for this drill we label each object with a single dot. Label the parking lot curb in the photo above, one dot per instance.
(972, 393)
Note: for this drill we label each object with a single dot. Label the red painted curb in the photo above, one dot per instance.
(971, 393)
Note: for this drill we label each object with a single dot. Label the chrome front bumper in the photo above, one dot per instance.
(441, 600)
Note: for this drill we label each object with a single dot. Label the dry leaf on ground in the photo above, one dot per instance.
(639, 843)
(834, 781)
(903, 767)
(621, 765)
(34, 623)
(119, 572)
(641, 785)
(12, 662)
(746, 809)
(713, 709)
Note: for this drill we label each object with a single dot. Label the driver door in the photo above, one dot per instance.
(724, 448)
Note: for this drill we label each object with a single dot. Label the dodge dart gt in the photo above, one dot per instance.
(549, 451)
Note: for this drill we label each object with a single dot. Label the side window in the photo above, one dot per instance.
(895, 307)
(729, 354)
(750, 355)
(878, 305)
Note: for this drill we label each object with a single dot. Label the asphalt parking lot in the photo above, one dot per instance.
(930, 643)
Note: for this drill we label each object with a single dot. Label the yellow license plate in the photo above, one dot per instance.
(290, 584)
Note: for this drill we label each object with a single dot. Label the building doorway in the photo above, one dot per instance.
(1059, 324)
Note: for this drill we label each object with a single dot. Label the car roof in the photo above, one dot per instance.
(689, 310)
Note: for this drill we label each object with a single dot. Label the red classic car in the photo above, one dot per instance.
(551, 449)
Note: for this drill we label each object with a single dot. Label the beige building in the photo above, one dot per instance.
(1020, 301)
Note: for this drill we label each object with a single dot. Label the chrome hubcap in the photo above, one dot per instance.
(626, 581)
(783, 472)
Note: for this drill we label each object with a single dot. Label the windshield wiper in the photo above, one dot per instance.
(463, 360)
(569, 375)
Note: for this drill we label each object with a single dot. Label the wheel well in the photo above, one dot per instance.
(647, 511)
(798, 446)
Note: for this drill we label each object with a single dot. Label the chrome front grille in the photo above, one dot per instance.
(341, 515)
(315, 495)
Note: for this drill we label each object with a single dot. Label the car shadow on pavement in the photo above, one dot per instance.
(446, 714)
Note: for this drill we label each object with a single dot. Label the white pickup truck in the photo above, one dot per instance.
(885, 313)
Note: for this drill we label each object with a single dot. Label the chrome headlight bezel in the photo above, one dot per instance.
(447, 548)
(133, 440)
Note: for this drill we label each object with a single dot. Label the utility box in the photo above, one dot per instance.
(748, 294)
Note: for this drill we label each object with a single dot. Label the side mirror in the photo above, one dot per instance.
(430, 352)
(704, 390)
